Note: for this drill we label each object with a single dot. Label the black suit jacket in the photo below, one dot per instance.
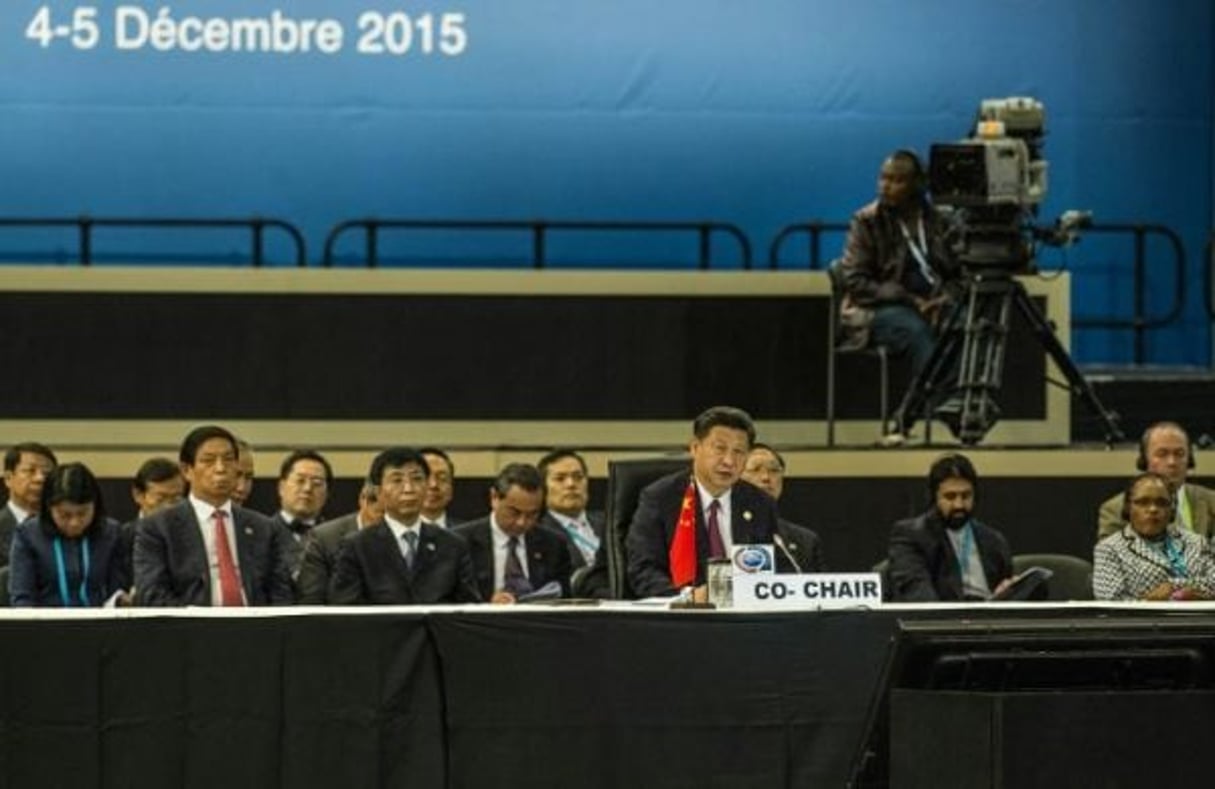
(370, 570)
(171, 567)
(803, 545)
(924, 568)
(548, 556)
(295, 544)
(8, 526)
(319, 557)
(648, 541)
(597, 521)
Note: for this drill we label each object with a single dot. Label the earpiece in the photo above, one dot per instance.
(1141, 462)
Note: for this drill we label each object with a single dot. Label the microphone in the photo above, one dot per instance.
(779, 541)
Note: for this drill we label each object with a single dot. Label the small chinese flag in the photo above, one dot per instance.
(682, 556)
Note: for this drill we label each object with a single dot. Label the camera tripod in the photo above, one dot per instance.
(967, 364)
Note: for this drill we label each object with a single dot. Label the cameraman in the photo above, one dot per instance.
(898, 272)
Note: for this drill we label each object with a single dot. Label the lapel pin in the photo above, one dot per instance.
(537, 556)
(248, 530)
(793, 546)
(430, 546)
(746, 515)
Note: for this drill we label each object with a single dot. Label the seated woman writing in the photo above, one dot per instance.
(71, 554)
(1149, 558)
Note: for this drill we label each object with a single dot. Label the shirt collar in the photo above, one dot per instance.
(18, 512)
(205, 512)
(567, 521)
(706, 498)
(399, 529)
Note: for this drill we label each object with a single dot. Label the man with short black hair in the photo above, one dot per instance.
(765, 470)
(304, 479)
(946, 553)
(26, 467)
(898, 270)
(440, 487)
(567, 492)
(511, 556)
(242, 487)
(157, 484)
(204, 550)
(322, 544)
(685, 519)
(401, 560)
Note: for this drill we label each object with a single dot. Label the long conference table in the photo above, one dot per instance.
(616, 695)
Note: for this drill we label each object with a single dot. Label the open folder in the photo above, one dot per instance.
(1029, 584)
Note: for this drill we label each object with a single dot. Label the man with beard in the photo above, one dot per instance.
(946, 554)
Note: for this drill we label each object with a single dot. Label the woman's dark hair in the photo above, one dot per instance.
(75, 484)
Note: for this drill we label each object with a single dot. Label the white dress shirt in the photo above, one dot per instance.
(500, 540)
(18, 513)
(399, 531)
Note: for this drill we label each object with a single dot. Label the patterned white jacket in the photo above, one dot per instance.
(1126, 566)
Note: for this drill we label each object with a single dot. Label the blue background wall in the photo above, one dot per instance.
(760, 113)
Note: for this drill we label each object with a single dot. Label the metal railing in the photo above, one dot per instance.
(85, 226)
(1140, 322)
(814, 230)
(539, 230)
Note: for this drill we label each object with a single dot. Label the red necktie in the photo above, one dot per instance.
(229, 581)
(717, 546)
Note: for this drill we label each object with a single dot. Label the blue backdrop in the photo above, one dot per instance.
(760, 113)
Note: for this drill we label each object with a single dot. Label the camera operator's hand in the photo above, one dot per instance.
(931, 308)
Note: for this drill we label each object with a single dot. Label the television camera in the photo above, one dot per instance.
(992, 184)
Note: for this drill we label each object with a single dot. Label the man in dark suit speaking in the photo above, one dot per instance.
(401, 560)
(205, 551)
(683, 519)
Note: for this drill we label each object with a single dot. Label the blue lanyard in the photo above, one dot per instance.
(968, 540)
(84, 575)
(579, 538)
(1172, 552)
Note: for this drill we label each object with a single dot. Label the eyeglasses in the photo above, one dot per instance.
(1148, 501)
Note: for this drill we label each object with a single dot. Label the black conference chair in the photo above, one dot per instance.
(626, 479)
(4, 597)
(1072, 578)
(836, 351)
